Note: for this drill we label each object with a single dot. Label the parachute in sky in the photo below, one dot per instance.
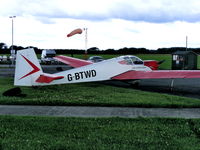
(76, 31)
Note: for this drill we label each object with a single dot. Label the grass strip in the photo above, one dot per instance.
(22, 133)
(93, 94)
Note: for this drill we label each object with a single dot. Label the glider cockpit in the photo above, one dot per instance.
(132, 60)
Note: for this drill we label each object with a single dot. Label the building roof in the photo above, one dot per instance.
(183, 53)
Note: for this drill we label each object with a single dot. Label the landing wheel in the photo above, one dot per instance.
(134, 83)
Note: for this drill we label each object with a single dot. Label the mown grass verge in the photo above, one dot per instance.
(22, 133)
(92, 94)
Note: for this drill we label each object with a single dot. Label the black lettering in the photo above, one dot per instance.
(94, 73)
(77, 76)
(87, 74)
(69, 77)
(81, 74)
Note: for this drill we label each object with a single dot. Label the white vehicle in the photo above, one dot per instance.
(47, 56)
(28, 71)
(4, 58)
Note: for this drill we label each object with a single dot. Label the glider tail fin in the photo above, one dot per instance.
(27, 68)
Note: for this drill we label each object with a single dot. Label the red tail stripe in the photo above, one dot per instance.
(35, 68)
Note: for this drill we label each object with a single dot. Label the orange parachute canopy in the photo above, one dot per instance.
(76, 31)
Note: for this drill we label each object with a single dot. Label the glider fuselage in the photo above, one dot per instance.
(104, 70)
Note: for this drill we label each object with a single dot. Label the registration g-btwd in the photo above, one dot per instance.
(28, 71)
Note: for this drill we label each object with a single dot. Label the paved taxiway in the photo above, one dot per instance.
(8, 70)
(85, 111)
(181, 87)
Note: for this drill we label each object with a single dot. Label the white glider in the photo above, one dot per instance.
(28, 71)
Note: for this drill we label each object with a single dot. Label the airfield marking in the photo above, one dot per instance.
(86, 111)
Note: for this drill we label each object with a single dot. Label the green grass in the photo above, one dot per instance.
(92, 94)
(159, 57)
(46, 133)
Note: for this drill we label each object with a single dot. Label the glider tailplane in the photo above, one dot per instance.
(27, 69)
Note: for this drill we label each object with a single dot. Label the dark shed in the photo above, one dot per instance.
(184, 60)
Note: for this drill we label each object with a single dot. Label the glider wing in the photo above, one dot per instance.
(74, 62)
(161, 74)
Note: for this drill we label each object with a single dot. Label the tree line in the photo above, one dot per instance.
(4, 49)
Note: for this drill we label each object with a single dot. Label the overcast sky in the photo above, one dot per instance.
(111, 23)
